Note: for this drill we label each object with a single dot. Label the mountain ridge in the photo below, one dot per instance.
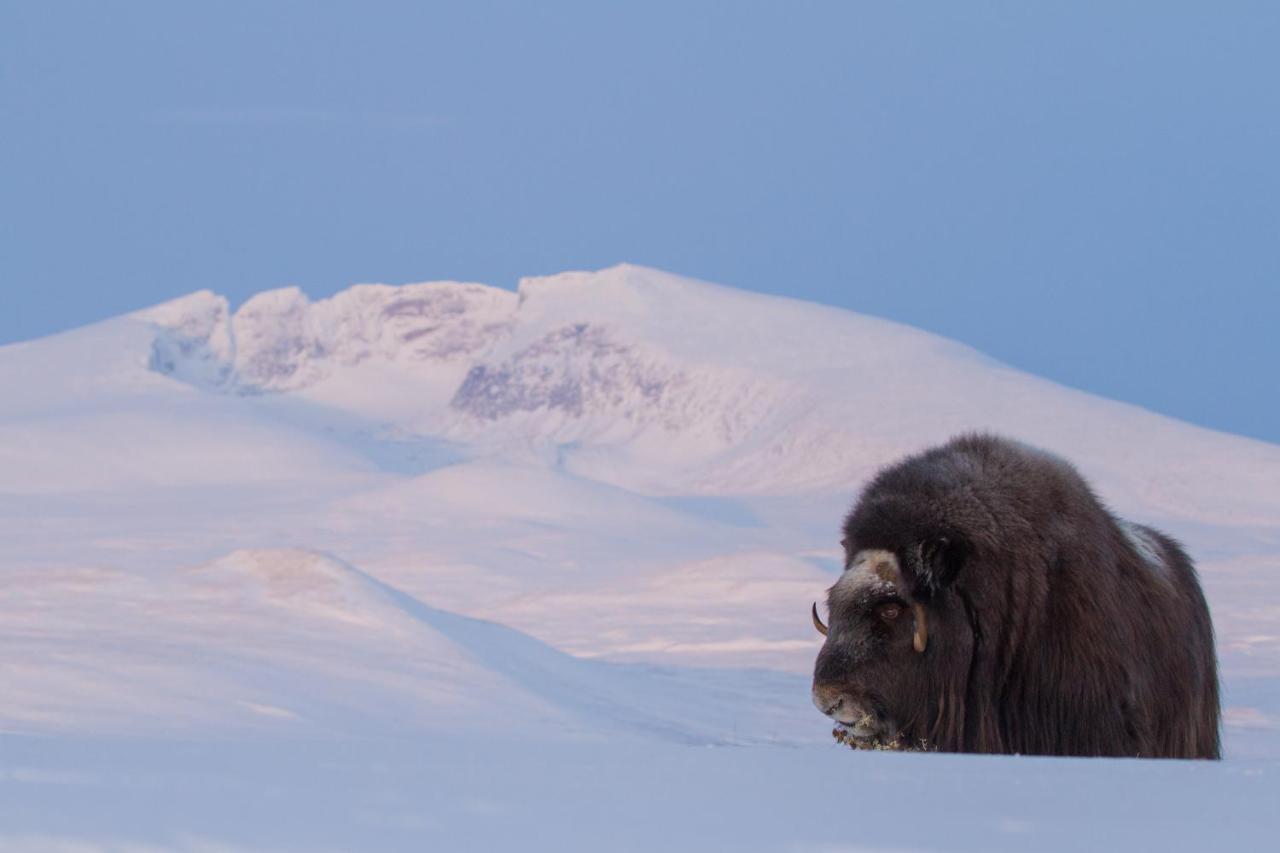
(667, 385)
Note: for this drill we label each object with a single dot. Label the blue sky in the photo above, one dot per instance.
(1088, 191)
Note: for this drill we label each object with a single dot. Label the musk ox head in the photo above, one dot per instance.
(893, 650)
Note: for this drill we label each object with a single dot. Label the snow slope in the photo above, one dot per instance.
(563, 537)
(297, 641)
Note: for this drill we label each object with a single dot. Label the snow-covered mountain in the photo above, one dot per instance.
(667, 385)
(591, 511)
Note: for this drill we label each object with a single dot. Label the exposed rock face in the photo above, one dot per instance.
(574, 369)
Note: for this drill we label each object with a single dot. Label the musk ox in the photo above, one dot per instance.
(991, 603)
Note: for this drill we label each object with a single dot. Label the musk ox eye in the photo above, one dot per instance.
(889, 612)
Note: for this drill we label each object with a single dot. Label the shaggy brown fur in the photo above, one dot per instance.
(1054, 628)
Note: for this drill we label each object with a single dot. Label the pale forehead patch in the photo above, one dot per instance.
(869, 569)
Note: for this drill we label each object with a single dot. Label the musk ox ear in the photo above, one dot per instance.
(941, 559)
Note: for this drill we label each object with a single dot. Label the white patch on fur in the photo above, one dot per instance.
(869, 569)
(1146, 546)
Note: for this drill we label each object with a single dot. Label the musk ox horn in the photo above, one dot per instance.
(817, 623)
(921, 638)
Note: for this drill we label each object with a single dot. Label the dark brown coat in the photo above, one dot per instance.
(1048, 625)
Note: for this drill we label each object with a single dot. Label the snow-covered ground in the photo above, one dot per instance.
(447, 567)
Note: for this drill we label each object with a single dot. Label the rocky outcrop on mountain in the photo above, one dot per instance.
(281, 341)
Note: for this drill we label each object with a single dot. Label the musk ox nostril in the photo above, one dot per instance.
(828, 699)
